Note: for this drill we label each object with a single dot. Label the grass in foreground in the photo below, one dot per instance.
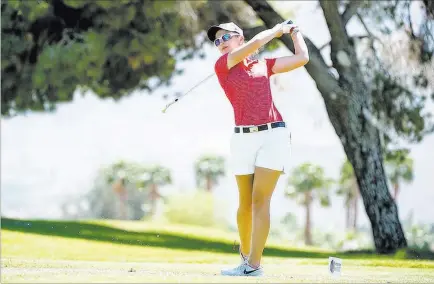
(287, 271)
(54, 251)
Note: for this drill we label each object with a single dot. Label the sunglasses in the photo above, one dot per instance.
(224, 38)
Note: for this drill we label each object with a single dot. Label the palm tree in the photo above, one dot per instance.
(399, 168)
(144, 178)
(306, 184)
(151, 179)
(115, 176)
(122, 195)
(349, 189)
(208, 169)
(112, 195)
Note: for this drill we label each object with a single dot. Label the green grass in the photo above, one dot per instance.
(106, 251)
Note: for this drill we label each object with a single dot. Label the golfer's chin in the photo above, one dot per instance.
(224, 50)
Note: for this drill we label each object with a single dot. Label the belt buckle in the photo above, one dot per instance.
(253, 129)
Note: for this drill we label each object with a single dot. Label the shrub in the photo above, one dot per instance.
(198, 208)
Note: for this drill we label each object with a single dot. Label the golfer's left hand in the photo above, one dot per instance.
(289, 28)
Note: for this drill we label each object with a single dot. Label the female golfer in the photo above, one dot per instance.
(260, 140)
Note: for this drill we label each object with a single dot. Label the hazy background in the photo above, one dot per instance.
(50, 157)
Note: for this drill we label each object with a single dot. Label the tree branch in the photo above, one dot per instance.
(324, 46)
(371, 35)
(317, 68)
(338, 34)
(219, 12)
(360, 36)
(342, 52)
(429, 5)
(350, 11)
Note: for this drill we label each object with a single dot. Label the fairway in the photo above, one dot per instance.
(41, 252)
(289, 271)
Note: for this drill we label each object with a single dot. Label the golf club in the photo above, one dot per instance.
(183, 95)
(286, 30)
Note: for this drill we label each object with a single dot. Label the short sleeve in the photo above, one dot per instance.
(221, 65)
(270, 65)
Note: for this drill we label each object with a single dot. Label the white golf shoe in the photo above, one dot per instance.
(244, 269)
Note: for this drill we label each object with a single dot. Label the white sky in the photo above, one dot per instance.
(48, 157)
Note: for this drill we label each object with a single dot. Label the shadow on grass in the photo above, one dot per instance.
(96, 232)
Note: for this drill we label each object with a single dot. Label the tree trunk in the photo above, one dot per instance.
(154, 196)
(121, 193)
(123, 199)
(362, 146)
(395, 191)
(208, 183)
(307, 227)
(346, 99)
(355, 205)
(348, 214)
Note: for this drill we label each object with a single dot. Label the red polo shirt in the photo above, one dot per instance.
(247, 86)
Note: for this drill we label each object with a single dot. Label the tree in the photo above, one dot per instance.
(122, 189)
(113, 195)
(208, 170)
(361, 89)
(371, 97)
(122, 194)
(151, 179)
(349, 190)
(306, 184)
(50, 48)
(399, 167)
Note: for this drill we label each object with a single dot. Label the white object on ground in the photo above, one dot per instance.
(335, 266)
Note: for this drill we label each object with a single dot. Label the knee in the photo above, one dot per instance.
(259, 199)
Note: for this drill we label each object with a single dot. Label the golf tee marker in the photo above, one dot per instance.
(335, 266)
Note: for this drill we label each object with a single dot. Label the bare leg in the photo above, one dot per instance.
(263, 187)
(244, 214)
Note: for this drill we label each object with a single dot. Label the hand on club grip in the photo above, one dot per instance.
(289, 28)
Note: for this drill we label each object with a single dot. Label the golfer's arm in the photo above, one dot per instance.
(300, 57)
(254, 44)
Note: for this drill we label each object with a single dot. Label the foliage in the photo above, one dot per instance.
(140, 175)
(51, 48)
(399, 166)
(102, 202)
(113, 48)
(349, 189)
(396, 60)
(196, 208)
(307, 183)
(309, 178)
(420, 236)
(155, 174)
(208, 170)
(347, 186)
